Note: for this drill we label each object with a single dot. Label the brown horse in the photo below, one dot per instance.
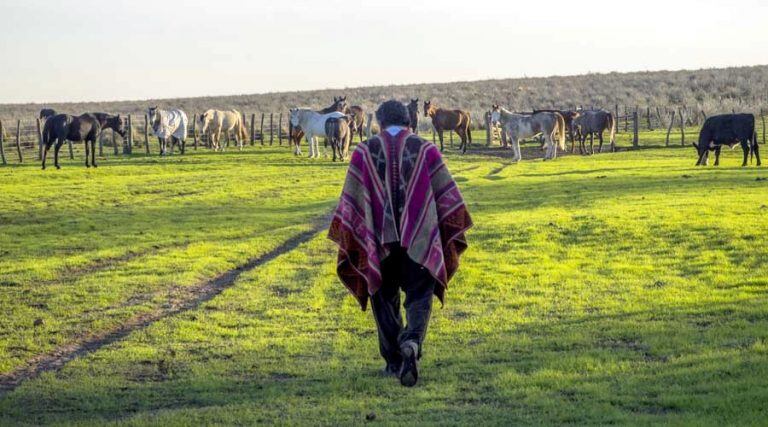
(338, 133)
(413, 113)
(568, 116)
(357, 122)
(450, 120)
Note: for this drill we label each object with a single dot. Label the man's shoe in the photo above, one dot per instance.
(409, 372)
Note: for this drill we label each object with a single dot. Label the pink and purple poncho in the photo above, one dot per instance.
(430, 227)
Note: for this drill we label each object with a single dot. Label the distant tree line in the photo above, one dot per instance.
(709, 90)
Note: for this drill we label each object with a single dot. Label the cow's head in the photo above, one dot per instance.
(702, 151)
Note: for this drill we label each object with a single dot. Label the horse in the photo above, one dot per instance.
(569, 116)
(339, 134)
(451, 120)
(339, 104)
(45, 113)
(413, 113)
(86, 128)
(591, 122)
(295, 135)
(168, 125)
(213, 122)
(520, 126)
(313, 125)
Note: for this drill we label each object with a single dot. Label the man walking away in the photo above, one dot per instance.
(399, 225)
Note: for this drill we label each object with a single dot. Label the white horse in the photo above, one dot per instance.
(168, 125)
(313, 125)
(521, 126)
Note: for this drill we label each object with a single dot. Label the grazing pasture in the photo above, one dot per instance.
(627, 287)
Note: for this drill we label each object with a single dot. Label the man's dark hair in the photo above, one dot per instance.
(392, 113)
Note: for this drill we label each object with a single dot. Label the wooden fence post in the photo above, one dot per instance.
(271, 128)
(128, 140)
(2, 143)
(39, 139)
(681, 113)
(669, 128)
(280, 129)
(635, 128)
(18, 140)
(648, 117)
(114, 144)
(253, 128)
(616, 117)
(626, 119)
(261, 129)
(146, 134)
(488, 136)
(194, 133)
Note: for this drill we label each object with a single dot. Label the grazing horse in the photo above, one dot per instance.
(568, 116)
(338, 133)
(168, 125)
(520, 126)
(313, 125)
(450, 120)
(591, 122)
(86, 128)
(413, 113)
(45, 113)
(213, 122)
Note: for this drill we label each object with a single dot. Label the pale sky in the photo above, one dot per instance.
(93, 50)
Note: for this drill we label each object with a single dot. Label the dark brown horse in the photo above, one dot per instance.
(591, 122)
(451, 120)
(413, 113)
(86, 128)
(47, 112)
(339, 104)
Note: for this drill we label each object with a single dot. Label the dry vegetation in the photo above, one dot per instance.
(713, 90)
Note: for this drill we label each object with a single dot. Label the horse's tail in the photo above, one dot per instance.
(612, 124)
(561, 130)
(243, 129)
(47, 132)
(469, 128)
(753, 145)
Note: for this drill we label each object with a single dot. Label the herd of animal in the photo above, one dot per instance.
(339, 122)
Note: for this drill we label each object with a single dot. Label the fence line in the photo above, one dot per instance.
(26, 136)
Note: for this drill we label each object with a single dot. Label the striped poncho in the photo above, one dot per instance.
(365, 225)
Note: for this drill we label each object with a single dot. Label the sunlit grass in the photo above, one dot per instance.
(618, 288)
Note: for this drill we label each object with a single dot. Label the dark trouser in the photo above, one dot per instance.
(400, 272)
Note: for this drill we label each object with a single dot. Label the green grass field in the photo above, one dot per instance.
(626, 288)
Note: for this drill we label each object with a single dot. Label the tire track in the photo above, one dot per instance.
(187, 299)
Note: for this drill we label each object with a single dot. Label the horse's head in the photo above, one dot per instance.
(204, 121)
(294, 114)
(428, 108)
(413, 106)
(340, 104)
(495, 113)
(118, 124)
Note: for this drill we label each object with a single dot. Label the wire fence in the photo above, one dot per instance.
(21, 139)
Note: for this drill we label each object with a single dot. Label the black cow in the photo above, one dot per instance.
(727, 129)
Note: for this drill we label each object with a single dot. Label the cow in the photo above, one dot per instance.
(727, 129)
